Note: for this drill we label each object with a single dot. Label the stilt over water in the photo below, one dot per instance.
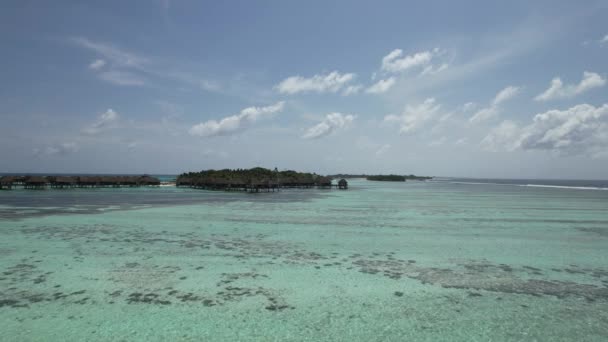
(62, 182)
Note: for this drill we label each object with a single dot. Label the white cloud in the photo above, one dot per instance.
(381, 86)
(383, 149)
(112, 53)
(123, 78)
(604, 40)
(494, 109)
(209, 85)
(414, 117)
(351, 90)
(331, 123)
(234, 123)
(580, 129)
(438, 142)
(97, 64)
(503, 136)
(396, 62)
(557, 90)
(461, 141)
(505, 94)
(484, 114)
(105, 120)
(58, 149)
(331, 82)
(469, 106)
(432, 70)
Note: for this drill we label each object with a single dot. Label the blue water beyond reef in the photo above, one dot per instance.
(444, 260)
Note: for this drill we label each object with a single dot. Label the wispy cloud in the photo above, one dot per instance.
(504, 136)
(321, 83)
(352, 90)
(438, 142)
(383, 149)
(331, 123)
(505, 94)
(414, 117)
(557, 90)
(104, 121)
(123, 78)
(97, 64)
(381, 86)
(112, 53)
(494, 109)
(235, 123)
(57, 149)
(119, 66)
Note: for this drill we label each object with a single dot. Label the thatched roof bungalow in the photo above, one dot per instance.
(35, 182)
(324, 182)
(6, 182)
(342, 184)
(148, 180)
(63, 181)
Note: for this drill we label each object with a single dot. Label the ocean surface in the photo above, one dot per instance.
(445, 260)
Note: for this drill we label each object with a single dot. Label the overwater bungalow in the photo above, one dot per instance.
(6, 182)
(35, 182)
(342, 184)
(60, 182)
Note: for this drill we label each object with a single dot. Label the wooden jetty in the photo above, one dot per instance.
(64, 182)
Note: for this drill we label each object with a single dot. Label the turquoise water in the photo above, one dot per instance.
(424, 261)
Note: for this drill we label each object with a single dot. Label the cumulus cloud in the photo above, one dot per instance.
(332, 82)
(582, 129)
(381, 86)
(579, 129)
(235, 123)
(105, 120)
(494, 109)
(414, 117)
(97, 64)
(557, 90)
(57, 149)
(396, 62)
(331, 123)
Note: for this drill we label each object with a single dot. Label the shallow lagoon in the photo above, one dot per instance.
(379, 262)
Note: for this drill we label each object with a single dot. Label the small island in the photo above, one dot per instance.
(255, 180)
(383, 178)
(386, 178)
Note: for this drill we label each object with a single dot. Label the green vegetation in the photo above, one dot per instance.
(386, 178)
(256, 175)
(389, 178)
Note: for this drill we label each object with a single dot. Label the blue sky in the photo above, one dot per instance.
(473, 88)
